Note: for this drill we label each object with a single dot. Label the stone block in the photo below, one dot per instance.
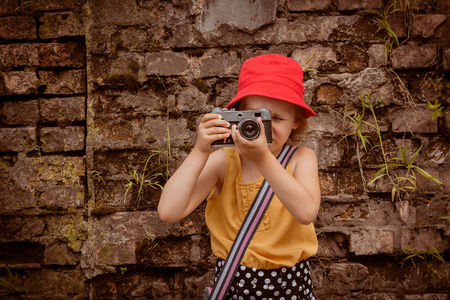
(192, 99)
(417, 120)
(8, 7)
(433, 296)
(414, 57)
(19, 55)
(372, 242)
(377, 56)
(344, 277)
(446, 59)
(166, 64)
(422, 240)
(48, 5)
(60, 254)
(113, 239)
(308, 5)
(315, 57)
(60, 283)
(354, 4)
(61, 55)
(15, 199)
(55, 139)
(63, 82)
(63, 110)
(242, 15)
(213, 63)
(45, 171)
(18, 28)
(16, 229)
(425, 25)
(61, 197)
(17, 139)
(60, 24)
(20, 112)
(20, 82)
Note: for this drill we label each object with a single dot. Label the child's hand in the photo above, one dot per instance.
(211, 128)
(252, 150)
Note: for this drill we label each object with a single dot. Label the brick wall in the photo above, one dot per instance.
(91, 89)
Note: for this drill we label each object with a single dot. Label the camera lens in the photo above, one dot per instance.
(249, 129)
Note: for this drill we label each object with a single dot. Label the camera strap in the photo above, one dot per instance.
(246, 233)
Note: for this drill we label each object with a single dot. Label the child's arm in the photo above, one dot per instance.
(198, 174)
(300, 193)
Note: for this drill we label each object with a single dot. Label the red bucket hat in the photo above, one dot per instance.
(274, 76)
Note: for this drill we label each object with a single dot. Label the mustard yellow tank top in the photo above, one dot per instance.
(279, 240)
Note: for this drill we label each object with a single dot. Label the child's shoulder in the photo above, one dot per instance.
(304, 155)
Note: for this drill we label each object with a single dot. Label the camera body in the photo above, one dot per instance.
(247, 124)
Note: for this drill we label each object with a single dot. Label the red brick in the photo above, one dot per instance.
(20, 112)
(8, 7)
(55, 139)
(61, 55)
(55, 25)
(19, 55)
(18, 28)
(17, 139)
(64, 82)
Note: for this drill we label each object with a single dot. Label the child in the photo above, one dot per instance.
(275, 264)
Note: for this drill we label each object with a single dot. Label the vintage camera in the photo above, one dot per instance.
(247, 124)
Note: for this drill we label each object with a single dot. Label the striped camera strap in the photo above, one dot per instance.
(246, 233)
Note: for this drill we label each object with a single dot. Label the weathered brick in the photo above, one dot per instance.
(63, 82)
(61, 55)
(62, 197)
(166, 64)
(308, 5)
(60, 254)
(354, 4)
(46, 5)
(315, 57)
(63, 109)
(20, 112)
(425, 25)
(19, 55)
(347, 276)
(30, 228)
(20, 82)
(416, 120)
(14, 199)
(446, 59)
(55, 139)
(18, 28)
(17, 139)
(8, 7)
(377, 56)
(413, 57)
(248, 17)
(434, 296)
(371, 241)
(422, 240)
(56, 25)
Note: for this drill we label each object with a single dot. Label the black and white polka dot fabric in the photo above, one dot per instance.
(270, 284)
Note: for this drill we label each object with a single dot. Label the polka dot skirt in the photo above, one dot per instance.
(266, 284)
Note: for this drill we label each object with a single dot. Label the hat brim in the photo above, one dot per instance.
(272, 90)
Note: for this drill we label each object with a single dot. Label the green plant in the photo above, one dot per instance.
(382, 20)
(357, 126)
(11, 286)
(150, 175)
(436, 109)
(431, 257)
(24, 7)
(123, 270)
(407, 183)
(151, 238)
(306, 67)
